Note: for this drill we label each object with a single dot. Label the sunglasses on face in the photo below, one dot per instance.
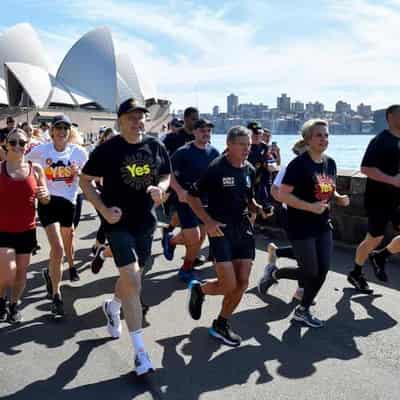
(20, 142)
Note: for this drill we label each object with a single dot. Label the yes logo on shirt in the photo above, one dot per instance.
(324, 188)
(59, 171)
(138, 171)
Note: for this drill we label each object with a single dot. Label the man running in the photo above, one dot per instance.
(189, 163)
(382, 192)
(229, 185)
(136, 172)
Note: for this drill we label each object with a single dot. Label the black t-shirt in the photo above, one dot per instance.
(259, 157)
(311, 182)
(190, 162)
(173, 141)
(127, 171)
(3, 134)
(383, 152)
(229, 190)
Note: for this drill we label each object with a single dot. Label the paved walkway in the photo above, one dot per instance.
(355, 356)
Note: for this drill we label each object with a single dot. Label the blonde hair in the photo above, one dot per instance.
(308, 126)
(75, 137)
(299, 146)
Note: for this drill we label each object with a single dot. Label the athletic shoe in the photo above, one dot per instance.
(3, 309)
(114, 326)
(267, 279)
(73, 275)
(304, 315)
(143, 364)
(359, 282)
(187, 275)
(224, 333)
(94, 250)
(196, 299)
(378, 265)
(200, 260)
(47, 281)
(57, 306)
(168, 249)
(98, 261)
(14, 316)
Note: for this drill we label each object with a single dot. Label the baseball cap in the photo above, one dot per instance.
(203, 123)
(61, 119)
(130, 105)
(176, 122)
(254, 126)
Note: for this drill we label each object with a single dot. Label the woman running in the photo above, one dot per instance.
(20, 183)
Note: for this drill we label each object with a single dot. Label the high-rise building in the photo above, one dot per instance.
(342, 107)
(232, 104)
(364, 110)
(297, 107)
(215, 110)
(283, 103)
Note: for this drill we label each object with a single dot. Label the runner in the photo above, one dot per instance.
(307, 188)
(229, 185)
(378, 258)
(136, 172)
(380, 164)
(20, 183)
(61, 162)
(189, 163)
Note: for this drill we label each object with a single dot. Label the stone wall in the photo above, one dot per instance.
(350, 223)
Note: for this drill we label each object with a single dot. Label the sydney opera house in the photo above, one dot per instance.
(88, 86)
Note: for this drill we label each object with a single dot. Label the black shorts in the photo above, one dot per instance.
(21, 242)
(128, 247)
(237, 243)
(379, 217)
(57, 210)
(187, 218)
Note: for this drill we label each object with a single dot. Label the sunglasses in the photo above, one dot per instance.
(21, 143)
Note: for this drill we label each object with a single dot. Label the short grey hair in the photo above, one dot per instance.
(237, 131)
(310, 124)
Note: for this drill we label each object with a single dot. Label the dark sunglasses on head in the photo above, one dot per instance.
(21, 142)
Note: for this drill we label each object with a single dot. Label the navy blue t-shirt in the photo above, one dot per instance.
(190, 162)
(311, 182)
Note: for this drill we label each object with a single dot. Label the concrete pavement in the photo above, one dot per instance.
(356, 355)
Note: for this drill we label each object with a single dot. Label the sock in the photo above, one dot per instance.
(383, 254)
(187, 265)
(357, 269)
(221, 321)
(137, 340)
(115, 305)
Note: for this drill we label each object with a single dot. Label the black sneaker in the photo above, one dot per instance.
(304, 315)
(3, 309)
(73, 275)
(378, 265)
(200, 260)
(359, 282)
(14, 316)
(196, 299)
(224, 333)
(98, 261)
(47, 281)
(57, 307)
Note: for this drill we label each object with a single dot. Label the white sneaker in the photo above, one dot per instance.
(143, 364)
(114, 326)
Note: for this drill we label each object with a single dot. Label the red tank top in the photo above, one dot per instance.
(17, 201)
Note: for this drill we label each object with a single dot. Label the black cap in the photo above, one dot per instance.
(130, 105)
(10, 119)
(203, 123)
(176, 122)
(254, 126)
(61, 119)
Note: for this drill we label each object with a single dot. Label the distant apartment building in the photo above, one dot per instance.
(297, 107)
(283, 103)
(342, 107)
(232, 104)
(380, 122)
(364, 110)
(215, 110)
(252, 111)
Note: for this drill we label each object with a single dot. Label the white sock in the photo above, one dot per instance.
(115, 305)
(137, 340)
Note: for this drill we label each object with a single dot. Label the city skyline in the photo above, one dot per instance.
(197, 53)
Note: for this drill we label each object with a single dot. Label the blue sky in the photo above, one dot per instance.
(196, 53)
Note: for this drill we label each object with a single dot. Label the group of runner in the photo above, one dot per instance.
(204, 193)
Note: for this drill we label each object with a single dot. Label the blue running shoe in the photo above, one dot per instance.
(168, 249)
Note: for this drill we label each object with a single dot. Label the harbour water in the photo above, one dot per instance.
(346, 150)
